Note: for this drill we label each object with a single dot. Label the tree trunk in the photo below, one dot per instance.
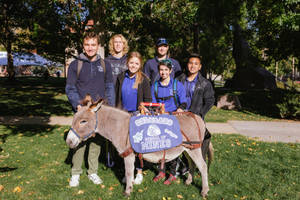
(10, 63)
(196, 38)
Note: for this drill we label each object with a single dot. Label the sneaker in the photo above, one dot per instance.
(138, 179)
(74, 181)
(160, 176)
(170, 180)
(95, 179)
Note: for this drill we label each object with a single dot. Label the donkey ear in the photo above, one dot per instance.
(97, 106)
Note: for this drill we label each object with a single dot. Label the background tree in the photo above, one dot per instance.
(15, 18)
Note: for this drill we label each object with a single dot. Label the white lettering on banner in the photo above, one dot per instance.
(155, 143)
(170, 133)
(153, 120)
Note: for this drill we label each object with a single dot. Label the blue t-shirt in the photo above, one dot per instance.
(166, 91)
(190, 88)
(129, 94)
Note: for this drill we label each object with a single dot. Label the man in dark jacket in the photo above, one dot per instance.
(199, 92)
(88, 74)
(162, 51)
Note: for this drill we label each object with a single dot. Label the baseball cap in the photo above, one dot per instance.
(161, 41)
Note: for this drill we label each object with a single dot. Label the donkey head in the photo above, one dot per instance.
(84, 122)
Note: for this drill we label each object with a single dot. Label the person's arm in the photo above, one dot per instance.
(71, 90)
(177, 68)
(181, 93)
(147, 96)
(153, 95)
(147, 69)
(208, 98)
(109, 85)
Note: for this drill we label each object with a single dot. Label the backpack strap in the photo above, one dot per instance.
(175, 96)
(155, 90)
(79, 66)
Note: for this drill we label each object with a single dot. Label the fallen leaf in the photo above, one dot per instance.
(80, 192)
(140, 190)
(111, 188)
(164, 198)
(179, 196)
(17, 189)
(102, 186)
(1, 187)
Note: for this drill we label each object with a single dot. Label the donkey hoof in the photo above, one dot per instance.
(189, 179)
(204, 193)
(126, 194)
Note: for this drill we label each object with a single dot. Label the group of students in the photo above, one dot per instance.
(125, 82)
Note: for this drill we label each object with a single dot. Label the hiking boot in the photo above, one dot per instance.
(170, 180)
(95, 179)
(74, 181)
(160, 176)
(138, 179)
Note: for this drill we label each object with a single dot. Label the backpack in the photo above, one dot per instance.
(80, 63)
(175, 96)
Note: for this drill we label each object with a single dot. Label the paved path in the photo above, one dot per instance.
(283, 131)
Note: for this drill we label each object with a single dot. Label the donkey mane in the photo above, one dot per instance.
(116, 110)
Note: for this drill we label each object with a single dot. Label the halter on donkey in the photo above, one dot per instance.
(94, 118)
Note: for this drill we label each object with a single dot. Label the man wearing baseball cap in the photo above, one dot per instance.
(162, 50)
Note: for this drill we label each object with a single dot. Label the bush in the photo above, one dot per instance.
(290, 105)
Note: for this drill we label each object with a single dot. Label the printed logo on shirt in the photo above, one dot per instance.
(100, 68)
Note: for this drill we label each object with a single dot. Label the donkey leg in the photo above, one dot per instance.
(129, 173)
(196, 156)
(191, 167)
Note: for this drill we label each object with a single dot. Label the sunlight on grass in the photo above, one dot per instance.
(32, 166)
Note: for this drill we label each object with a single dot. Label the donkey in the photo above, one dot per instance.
(113, 124)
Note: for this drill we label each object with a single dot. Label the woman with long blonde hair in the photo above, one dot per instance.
(132, 88)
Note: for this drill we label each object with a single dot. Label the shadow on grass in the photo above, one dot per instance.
(33, 97)
(7, 169)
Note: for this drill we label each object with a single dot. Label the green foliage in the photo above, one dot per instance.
(34, 165)
(290, 105)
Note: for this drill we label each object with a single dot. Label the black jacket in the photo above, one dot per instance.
(143, 93)
(203, 98)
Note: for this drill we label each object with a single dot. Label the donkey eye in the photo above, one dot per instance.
(83, 122)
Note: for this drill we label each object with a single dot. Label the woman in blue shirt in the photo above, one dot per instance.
(132, 88)
(168, 90)
(172, 93)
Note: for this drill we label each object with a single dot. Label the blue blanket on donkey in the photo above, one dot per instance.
(154, 133)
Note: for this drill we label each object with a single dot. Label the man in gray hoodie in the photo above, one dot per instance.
(88, 74)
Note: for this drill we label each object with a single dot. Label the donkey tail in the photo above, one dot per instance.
(210, 153)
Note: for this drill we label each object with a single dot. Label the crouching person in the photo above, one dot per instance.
(88, 74)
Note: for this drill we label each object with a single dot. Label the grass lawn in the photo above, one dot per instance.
(32, 166)
(32, 96)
